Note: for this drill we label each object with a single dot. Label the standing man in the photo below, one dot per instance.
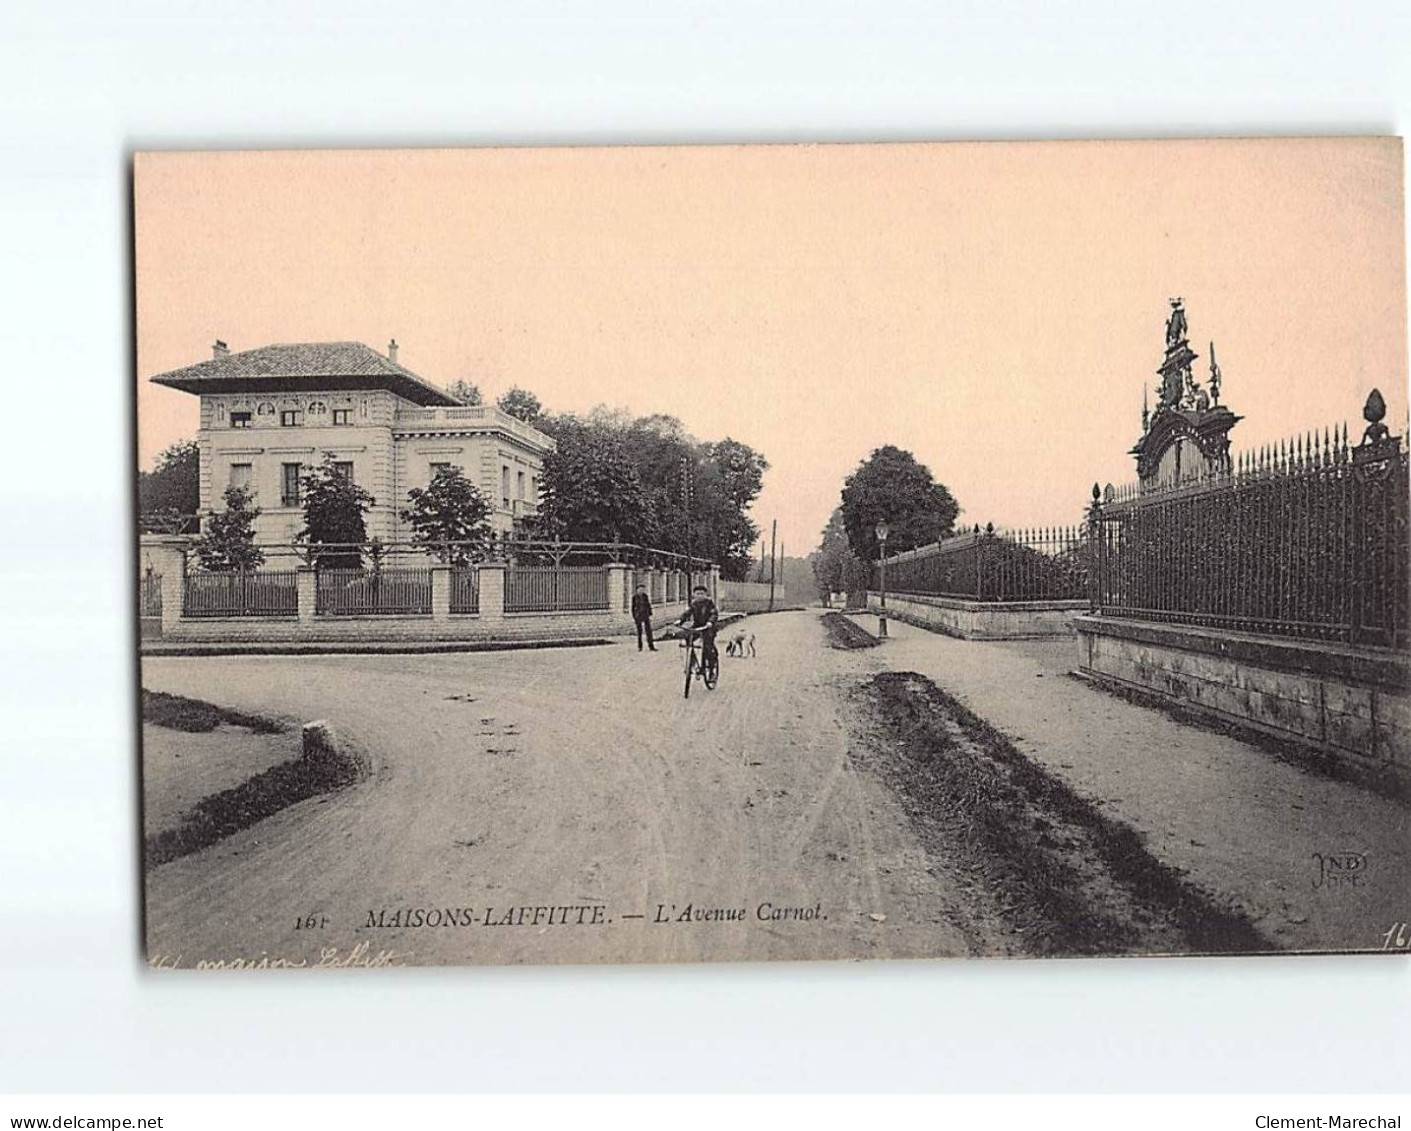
(642, 617)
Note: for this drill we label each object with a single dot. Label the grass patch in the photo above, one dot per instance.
(194, 716)
(1069, 878)
(222, 814)
(847, 634)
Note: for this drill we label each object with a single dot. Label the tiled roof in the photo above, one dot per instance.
(299, 364)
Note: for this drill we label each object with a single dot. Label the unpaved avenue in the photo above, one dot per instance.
(563, 777)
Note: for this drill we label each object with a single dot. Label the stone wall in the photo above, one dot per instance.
(165, 556)
(1343, 700)
(981, 620)
(749, 596)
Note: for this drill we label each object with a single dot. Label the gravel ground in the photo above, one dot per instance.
(1235, 821)
(574, 777)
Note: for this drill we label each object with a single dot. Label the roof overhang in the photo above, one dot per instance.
(416, 391)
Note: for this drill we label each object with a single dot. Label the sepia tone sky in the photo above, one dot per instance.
(993, 307)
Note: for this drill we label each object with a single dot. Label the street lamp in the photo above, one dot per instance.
(882, 531)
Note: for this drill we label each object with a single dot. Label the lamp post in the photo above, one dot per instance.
(882, 531)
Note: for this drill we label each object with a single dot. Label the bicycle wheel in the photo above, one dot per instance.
(690, 671)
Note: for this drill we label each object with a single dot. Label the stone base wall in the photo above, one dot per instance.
(749, 596)
(413, 629)
(1346, 701)
(982, 620)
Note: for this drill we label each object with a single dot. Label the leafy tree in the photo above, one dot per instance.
(227, 545)
(467, 392)
(725, 479)
(890, 484)
(521, 404)
(450, 509)
(334, 510)
(169, 495)
(591, 490)
(836, 567)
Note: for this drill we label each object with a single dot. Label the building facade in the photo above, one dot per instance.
(269, 414)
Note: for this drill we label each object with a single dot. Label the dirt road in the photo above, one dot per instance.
(576, 782)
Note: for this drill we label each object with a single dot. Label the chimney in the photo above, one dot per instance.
(392, 351)
(220, 349)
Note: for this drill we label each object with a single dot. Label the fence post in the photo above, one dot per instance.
(619, 589)
(492, 591)
(715, 583)
(441, 592)
(173, 577)
(1095, 562)
(306, 578)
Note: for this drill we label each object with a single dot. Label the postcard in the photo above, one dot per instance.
(778, 552)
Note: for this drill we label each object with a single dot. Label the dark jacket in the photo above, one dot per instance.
(641, 607)
(702, 613)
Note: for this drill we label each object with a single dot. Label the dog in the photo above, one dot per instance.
(740, 644)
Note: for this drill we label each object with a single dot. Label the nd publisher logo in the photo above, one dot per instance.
(1340, 869)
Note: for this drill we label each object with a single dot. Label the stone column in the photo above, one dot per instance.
(440, 592)
(619, 591)
(307, 580)
(165, 556)
(492, 591)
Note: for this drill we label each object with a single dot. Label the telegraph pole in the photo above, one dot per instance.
(686, 494)
(773, 530)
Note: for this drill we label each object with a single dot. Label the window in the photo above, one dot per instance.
(289, 484)
(317, 408)
(519, 487)
(241, 475)
(289, 418)
(343, 468)
(437, 468)
(240, 420)
(342, 416)
(505, 485)
(264, 408)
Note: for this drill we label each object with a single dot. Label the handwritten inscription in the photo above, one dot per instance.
(360, 957)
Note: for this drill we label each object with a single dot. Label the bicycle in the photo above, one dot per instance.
(707, 672)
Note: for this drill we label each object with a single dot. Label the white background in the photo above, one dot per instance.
(82, 86)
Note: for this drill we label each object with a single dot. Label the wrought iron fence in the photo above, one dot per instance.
(1304, 540)
(261, 593)
(543, 589)
(1048, 564)
(352, 592)
(465, 590)
(151, 594)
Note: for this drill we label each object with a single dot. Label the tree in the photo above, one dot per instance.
(739, 472)
(591, 491)
(450, 510)
(227, 545)
(334, 510)
(836, 567)
(521, 404)
(467, 392)
(650, 455)
(169, 495)
(890, 484)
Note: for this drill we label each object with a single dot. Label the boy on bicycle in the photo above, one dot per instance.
(703, 615)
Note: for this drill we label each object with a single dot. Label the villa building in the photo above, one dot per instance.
(267, 414)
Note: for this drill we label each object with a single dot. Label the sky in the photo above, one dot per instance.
(995, 308)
